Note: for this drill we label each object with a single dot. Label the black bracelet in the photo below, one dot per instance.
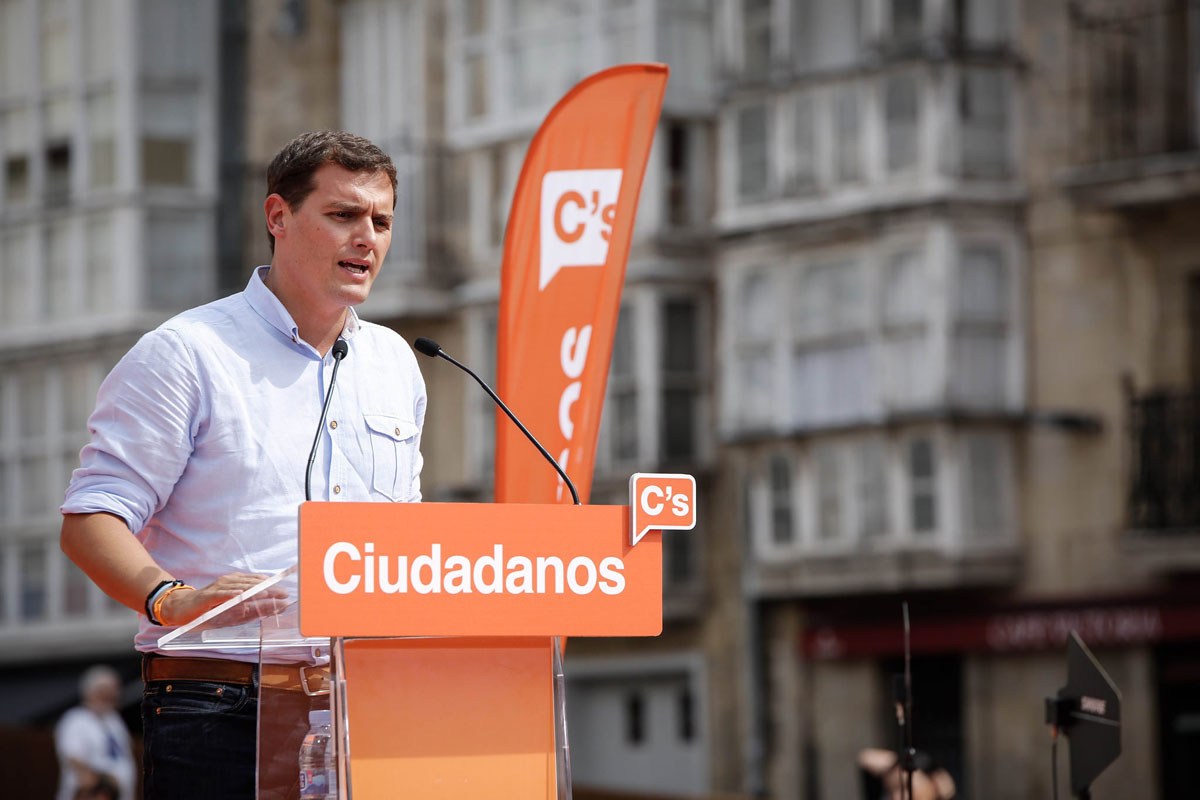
(154, 593)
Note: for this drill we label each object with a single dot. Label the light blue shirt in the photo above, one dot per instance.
(201, 435)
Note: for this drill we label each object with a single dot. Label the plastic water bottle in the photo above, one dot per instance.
(318, 764)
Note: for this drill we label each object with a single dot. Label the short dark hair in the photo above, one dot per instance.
(290, 174)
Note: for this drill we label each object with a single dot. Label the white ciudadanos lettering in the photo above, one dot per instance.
(348, 569)
(340, 549)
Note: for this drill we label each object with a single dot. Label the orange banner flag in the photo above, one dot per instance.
(565, 251)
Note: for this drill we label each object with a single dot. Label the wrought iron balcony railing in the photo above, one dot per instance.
(1164, 491)
(1133, 75)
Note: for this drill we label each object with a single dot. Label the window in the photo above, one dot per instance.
(680, 374)
(906, 303)
(16, 179)
(475, 17)
(752, 147)
(922, 486)
(825, 35)
(15, 47)
(902, 113)
(982, 22)
(635, 718)
(986, 486)
(99, 31)
(653, 411)
(621, 34)
(682, 189)
(871, 470)
(984, 112)
(102, 135)
(756, 315)
(168, 127)
(58, 174)
(77, 590)
(33, 563)
(498, 218)
(178, 250)
(981, 329)
(830, 511)
(802, 175)
(832, 377)
(477, 90)
(680, 570)
(686, 713)
(99, 273)
(15, 257)
(685, 38)
(847, 136)
(880, 489)
(782, 520)
(56, 43)
(166, 162)
(622, 391)
(173, 50)
(906, 21)
(756, 38)
(56, 278)
(32, 452)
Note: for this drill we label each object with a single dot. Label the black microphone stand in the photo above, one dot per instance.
(340, 348)
(902, 688)
(433, 350)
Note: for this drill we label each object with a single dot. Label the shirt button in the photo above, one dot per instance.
(333, 424)
(337, 490)
(397, 431)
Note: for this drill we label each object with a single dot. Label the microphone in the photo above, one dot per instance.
(340, 348)
(431, 348)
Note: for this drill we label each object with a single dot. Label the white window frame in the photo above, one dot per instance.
(631, 669)
(642, 305)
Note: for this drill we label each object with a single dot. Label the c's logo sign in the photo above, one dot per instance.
(661, 502)
(578, 210)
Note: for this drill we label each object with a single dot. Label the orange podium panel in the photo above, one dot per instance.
(476, 569)
(444, 618)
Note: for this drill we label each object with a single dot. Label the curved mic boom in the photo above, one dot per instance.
(431, 348)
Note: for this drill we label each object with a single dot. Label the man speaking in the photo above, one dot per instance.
(187, 493)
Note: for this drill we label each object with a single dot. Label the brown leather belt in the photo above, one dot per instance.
(291, 677)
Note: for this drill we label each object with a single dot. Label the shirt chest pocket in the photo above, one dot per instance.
(393, 450)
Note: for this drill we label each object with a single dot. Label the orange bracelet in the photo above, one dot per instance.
(157, 607)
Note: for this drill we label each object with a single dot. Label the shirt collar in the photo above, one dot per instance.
(267, 306)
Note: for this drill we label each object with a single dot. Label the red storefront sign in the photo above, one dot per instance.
(1018, 629)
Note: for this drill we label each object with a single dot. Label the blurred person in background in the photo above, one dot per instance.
(92, 742)
(886, 781)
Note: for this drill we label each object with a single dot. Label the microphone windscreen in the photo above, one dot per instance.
(427, 346)
(340, 348)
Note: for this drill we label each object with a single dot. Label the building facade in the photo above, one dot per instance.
(911, 292)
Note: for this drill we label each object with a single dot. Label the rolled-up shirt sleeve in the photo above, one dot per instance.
(147, 415)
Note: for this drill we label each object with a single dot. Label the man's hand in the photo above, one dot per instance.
(184, 605)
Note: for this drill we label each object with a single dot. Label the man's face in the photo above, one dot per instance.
(104, 695)
(334, 244)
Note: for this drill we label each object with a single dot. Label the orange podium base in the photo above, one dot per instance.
(451, 718)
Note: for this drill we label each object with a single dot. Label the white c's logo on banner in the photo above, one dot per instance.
(578, 210)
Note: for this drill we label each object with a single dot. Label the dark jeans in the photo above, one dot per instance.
(201, 741)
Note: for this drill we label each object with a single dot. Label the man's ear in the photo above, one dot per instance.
(278, 214)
